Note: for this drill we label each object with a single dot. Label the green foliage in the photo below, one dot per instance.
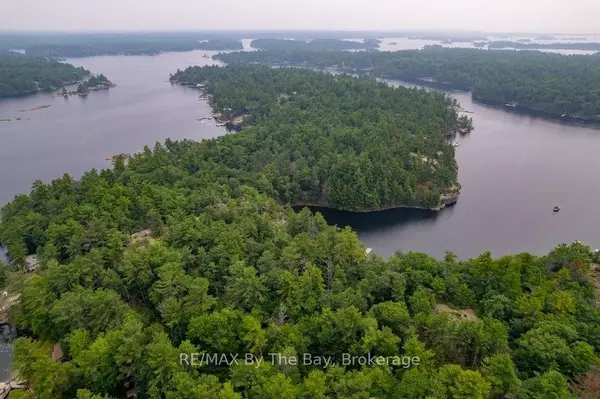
(226, 268)
(551, 83)
(346, 143)
(20, 74)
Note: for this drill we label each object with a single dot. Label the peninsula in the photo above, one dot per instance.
(340, 142)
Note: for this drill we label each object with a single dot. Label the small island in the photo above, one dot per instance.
(94, 82)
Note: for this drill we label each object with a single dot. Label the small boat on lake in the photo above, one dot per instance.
(511, 105)
(556, 208)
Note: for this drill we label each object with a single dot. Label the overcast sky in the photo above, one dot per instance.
(486, 15)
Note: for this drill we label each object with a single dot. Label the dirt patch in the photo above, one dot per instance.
(459, 314)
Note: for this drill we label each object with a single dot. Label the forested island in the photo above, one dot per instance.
(130, 47)
(64, 45)
(314, 44)
(20, 74)
(92, 83)
(186, 249)
(551, 85)
(95, 82)
(545, 46)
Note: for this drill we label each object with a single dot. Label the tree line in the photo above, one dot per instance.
(552, 83)
(20, 74)
(544, 46)
(132, 46)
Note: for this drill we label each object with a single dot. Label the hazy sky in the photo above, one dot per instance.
(487, 15)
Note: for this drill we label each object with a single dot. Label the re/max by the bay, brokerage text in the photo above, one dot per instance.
(303, 359)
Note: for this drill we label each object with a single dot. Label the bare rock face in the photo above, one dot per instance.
(450, 198)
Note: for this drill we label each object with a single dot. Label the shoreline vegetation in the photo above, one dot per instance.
(434, 183)
(517, 78)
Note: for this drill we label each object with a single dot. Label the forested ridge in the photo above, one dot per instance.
(346, 143)
(551, 83)
(21, 74)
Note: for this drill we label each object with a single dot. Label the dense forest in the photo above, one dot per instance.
(314, 45)
(551, 83)
(545, 46)
(347, 143)
(186, 249)
(150, 262)
(20, 74)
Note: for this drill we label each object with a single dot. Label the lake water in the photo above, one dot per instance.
(513, 170)
(77, 134)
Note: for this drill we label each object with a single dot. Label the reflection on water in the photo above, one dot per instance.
(376, 221)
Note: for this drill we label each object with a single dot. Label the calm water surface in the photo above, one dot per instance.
(77, 134)
(513, 170)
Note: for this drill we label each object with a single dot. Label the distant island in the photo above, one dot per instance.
(130, 48)
(64, 45)
(94, 82)
(543, 84)
(315, 44)
(20, 74)
(456, 37)
(544, 46)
